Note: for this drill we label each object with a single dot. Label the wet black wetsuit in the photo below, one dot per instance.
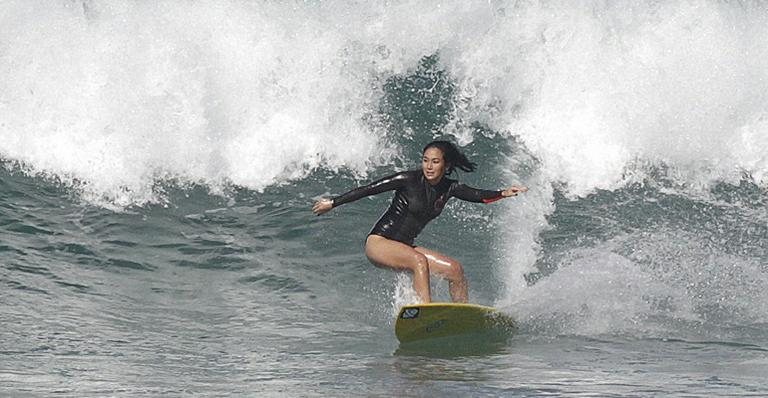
(416, 202)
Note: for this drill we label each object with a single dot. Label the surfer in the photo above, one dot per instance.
(420, 196)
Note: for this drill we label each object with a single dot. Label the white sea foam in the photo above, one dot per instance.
(647, 282)
(591, 87)
(403, 293)
(118, 95)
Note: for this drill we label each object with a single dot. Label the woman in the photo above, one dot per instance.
(420, 196)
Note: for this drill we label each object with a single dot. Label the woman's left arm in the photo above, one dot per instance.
(470, 194)
(514, 190)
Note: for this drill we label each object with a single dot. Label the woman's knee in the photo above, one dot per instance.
(419, 263)
(455, 271)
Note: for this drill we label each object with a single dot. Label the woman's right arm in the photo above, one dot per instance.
(389, 183)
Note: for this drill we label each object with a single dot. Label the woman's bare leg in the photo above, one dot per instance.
(449, 268)
(389, 253)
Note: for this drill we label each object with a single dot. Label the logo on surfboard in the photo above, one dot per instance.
(410, 313)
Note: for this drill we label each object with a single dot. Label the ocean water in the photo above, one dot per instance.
(158, 164)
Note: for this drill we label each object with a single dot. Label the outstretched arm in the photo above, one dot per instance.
(389, 183)
(470, 194)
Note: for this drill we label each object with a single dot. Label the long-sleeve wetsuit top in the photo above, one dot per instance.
(416, 202)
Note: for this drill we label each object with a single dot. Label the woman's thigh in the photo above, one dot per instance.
(390, 253)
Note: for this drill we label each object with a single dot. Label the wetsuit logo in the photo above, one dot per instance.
(410, 313)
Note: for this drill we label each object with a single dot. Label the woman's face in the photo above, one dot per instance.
(433, 165)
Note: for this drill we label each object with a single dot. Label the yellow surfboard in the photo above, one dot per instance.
(434, 320)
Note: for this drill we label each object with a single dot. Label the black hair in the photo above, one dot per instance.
(452, 156)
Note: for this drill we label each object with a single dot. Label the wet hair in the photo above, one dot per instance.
(452, 156)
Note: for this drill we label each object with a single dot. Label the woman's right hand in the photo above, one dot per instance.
(322, 206)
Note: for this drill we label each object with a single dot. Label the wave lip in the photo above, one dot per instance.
(111, 97)
(112, 100)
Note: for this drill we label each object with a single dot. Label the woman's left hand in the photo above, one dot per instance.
(513, 191)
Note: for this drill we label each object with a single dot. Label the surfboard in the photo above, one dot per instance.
(439, 320)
